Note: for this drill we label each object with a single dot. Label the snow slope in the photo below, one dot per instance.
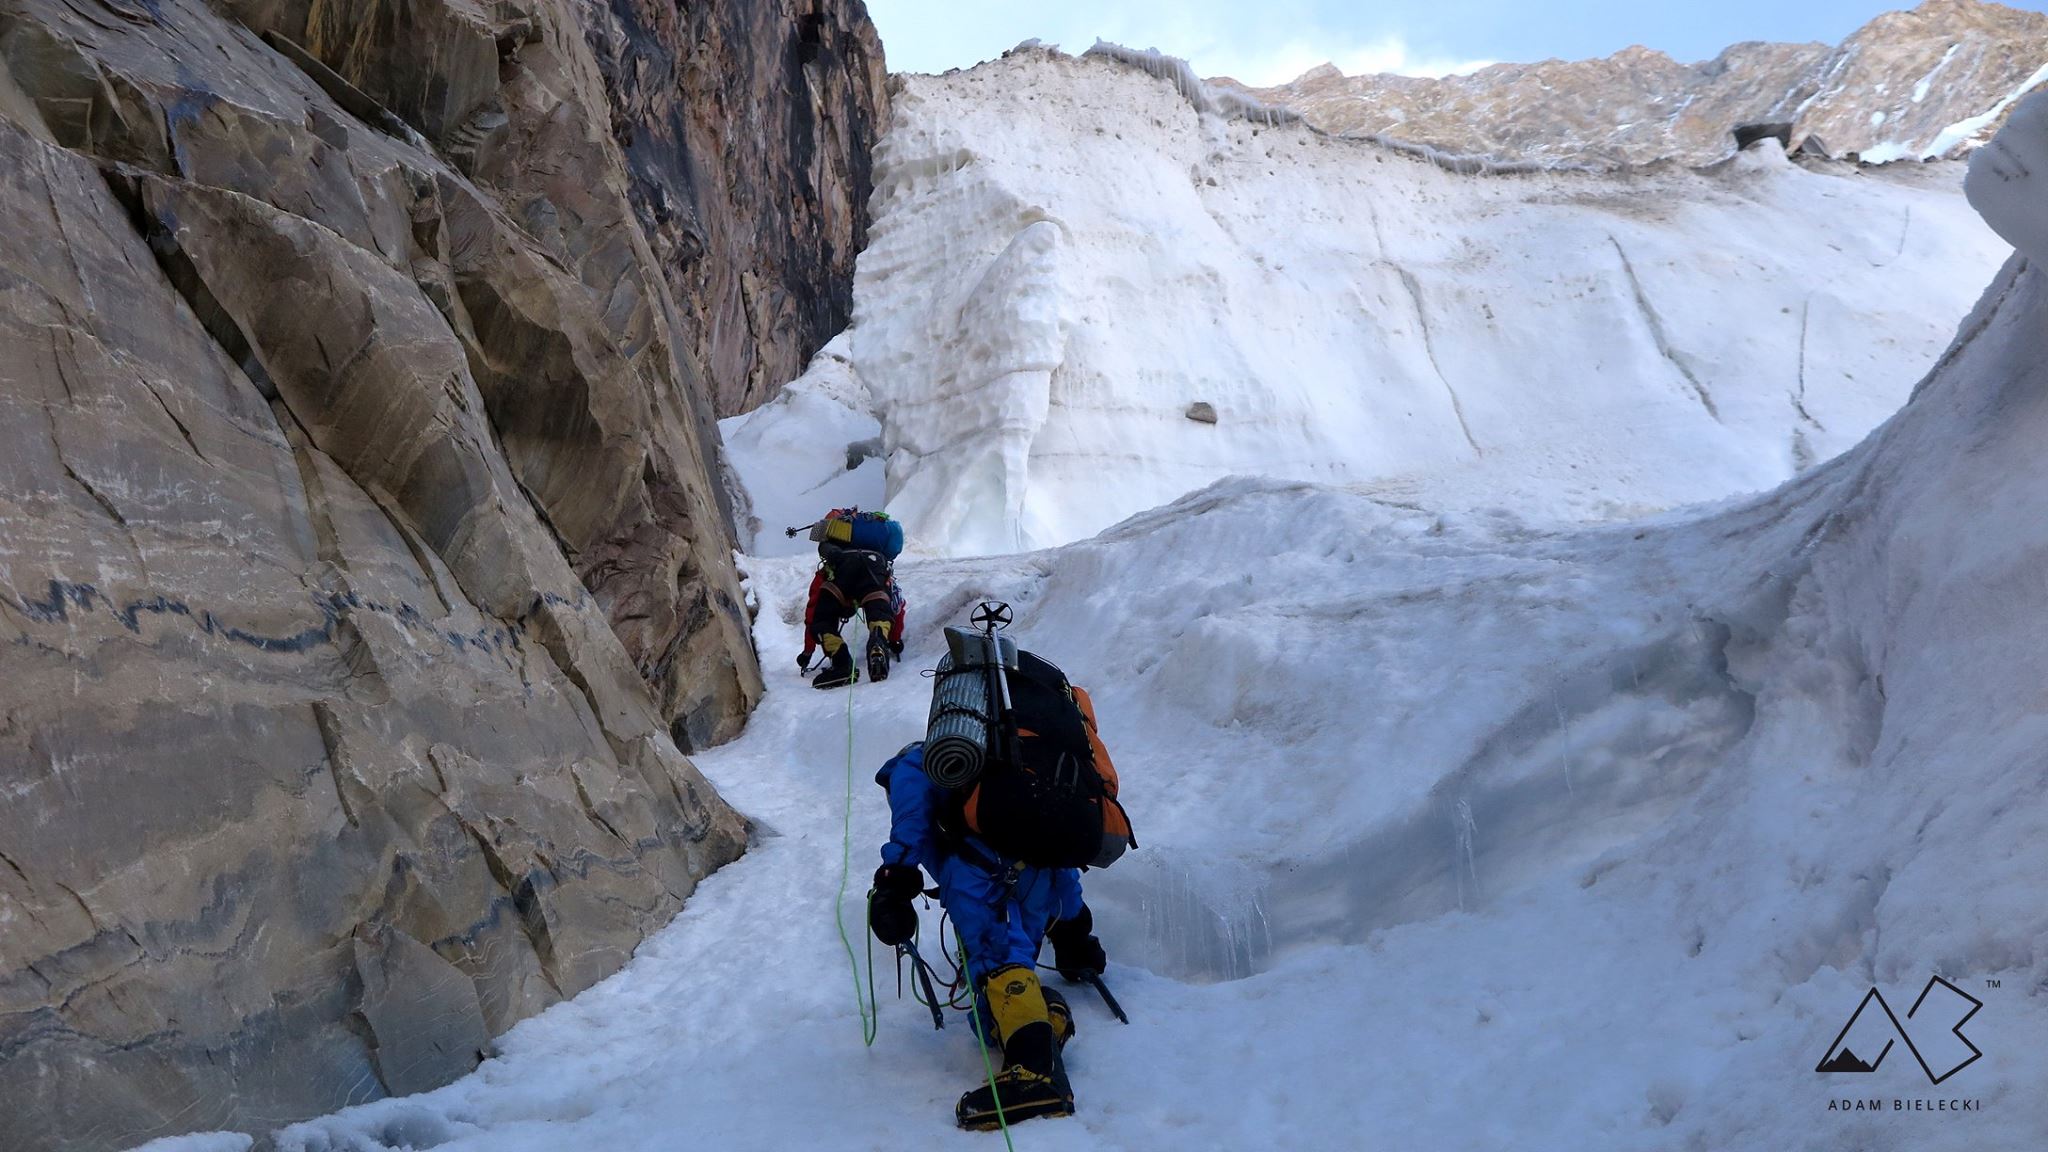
(1067, 255)
(815, 446)
(1460, 832)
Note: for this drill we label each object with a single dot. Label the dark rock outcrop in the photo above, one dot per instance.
(1748, 134)
(361, 562)
(1813, 148)
(747, 128)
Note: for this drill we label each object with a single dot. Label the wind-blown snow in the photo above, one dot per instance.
(1067, 255)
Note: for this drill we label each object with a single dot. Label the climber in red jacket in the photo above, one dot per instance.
(849, 582)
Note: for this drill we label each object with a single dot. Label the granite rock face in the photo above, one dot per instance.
(747, 129)
(1890, 92)
(362, 575)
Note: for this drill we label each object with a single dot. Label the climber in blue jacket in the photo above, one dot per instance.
(1003, 912)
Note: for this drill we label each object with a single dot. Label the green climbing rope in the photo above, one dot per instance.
(869, 1010)
(866, 1004)
(988, 1067)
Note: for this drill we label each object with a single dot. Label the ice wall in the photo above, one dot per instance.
(816, 446)
(1069, 255)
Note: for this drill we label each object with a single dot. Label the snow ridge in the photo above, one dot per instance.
(1228, 103)
(1239, 104)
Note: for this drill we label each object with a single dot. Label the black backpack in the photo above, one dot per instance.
(1049, 799)
(857, 572)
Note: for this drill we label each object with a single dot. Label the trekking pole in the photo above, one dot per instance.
(994, 616)
(791, 532)
(1115, 1009)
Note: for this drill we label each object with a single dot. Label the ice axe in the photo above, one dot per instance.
(924, 981)
(1115, 1009)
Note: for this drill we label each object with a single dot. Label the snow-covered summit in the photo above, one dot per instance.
(1074, 269)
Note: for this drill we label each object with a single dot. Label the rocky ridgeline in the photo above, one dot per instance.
(363, 576)
(1890, 91)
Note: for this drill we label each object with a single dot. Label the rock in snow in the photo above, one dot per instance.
(1748, 134)
(362, 564)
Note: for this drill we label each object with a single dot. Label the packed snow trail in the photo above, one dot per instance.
(1458, 834)
(737, 1025)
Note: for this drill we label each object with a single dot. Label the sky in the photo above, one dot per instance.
(1271, 41)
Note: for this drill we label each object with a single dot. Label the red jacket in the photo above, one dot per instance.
(818, 592)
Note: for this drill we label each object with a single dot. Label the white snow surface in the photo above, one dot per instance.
(1068, 253)
(1461, 831)
(813, 447)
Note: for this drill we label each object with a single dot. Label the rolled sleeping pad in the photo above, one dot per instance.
(957, 732)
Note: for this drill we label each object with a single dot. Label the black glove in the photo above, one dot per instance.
(803, 663)
(1075, 950)
(890, 915)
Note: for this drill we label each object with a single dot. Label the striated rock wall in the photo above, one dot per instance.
(1893, 91)
(747, 128)
(361, 569)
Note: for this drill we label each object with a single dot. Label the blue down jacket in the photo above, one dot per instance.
(999, 924)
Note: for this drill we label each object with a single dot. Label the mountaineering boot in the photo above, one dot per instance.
(1033, 1081)
(878, 651)
(1062, 1017)
(838, 669)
